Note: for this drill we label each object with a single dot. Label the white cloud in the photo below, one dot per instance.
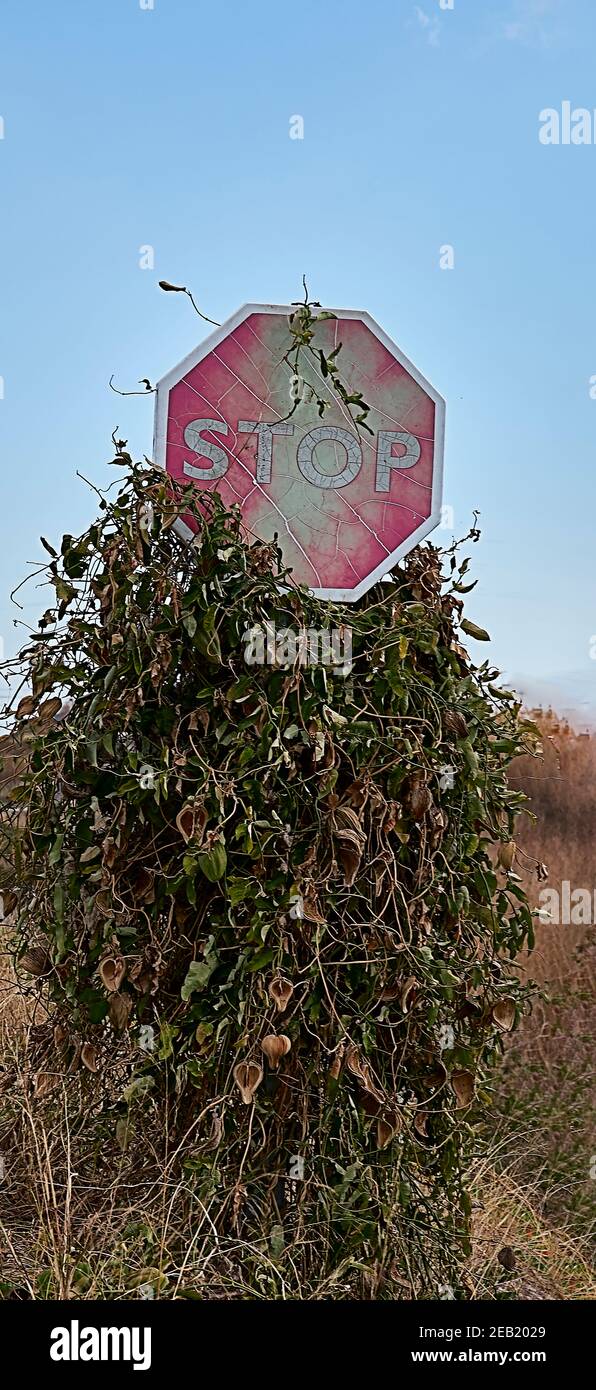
(530, 22)
(430, 24)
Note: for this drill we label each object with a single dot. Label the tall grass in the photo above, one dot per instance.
(546, 1091)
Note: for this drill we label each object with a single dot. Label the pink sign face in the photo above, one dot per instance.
(344, 504)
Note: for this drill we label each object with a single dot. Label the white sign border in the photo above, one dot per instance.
(213, 340)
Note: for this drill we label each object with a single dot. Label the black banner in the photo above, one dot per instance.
(151, 1340)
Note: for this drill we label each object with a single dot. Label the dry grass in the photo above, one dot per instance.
(549, 1263)
(543, 1141)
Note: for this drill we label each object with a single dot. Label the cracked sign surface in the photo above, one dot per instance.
(344, 504)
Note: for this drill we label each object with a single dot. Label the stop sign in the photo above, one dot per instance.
(344, 503)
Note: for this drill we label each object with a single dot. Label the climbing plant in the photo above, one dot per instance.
(277, 899)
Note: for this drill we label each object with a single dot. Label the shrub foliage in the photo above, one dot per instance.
(261, 898)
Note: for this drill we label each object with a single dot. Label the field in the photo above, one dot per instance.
(541, 1189)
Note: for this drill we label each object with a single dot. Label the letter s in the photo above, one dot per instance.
(192, 437)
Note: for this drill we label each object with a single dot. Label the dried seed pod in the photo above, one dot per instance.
(506, 855)
(36, 961)
(418, 798)
(280, 991)
(361, 1069)
(185, 821)
(503, 1014)
(44, 1082)
(25, 707)
(388, 1125)
(350, 841)
(275, 1047)
(142, 886)
(384, 1134)
(49, 709)
(120, 1011)
(191, 822)
(248, 1076)
(462, 1083)
(454, 723)
(112, 970)
(89, 1057)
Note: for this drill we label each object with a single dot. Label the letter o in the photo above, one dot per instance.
(308, 467)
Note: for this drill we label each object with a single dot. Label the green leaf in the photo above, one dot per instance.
(138, 1088)
(277, 1241)
(91, 746)
(261, 959)
(239, 889)
(55, 854)
(167, 1034)
(199, 974)
(206, 638)
(65, 592)
(213, 863)
(472, 630)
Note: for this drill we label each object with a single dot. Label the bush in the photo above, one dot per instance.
(259, 900)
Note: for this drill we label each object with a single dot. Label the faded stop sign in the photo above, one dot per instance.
(344, 504)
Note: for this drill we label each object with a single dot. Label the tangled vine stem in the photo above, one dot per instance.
(302, 324)
(253, 900)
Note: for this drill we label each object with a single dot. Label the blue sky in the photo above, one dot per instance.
(169, 127)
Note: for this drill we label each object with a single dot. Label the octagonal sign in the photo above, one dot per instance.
(345, 504)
